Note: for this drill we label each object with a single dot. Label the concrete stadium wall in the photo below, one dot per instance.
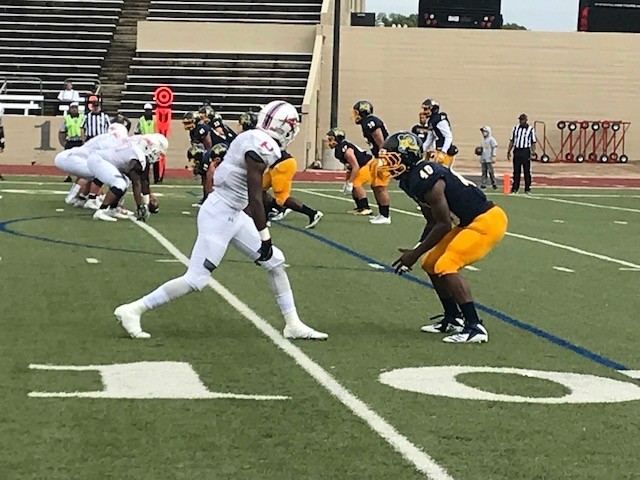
(25, 142)
(487, 77)
(225, 37)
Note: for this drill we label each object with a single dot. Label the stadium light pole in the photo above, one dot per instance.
(335, 73)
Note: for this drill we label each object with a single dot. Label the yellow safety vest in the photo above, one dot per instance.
(147, 126)
(73, 125)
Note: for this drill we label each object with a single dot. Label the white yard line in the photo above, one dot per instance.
(542, 241)
(635, 374)
(421, 460)
(564, 269)
(583, 204)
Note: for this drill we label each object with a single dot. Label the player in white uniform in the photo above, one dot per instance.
(120, 162)
(222, 221)
(74, 161)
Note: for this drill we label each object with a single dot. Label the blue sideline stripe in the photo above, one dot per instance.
(499, 315)
(4, 229)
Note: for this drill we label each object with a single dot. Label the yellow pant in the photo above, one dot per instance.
(367, 174)
(280, 178)
(463, 246)
(439, 157)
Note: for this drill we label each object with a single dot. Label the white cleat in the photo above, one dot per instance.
(70, 200)
(444, 324)
(380, 220)
(130, 321)
(315, 220)
(79, 202)
(92, 203)
(476, 334)
(300, 331)
(115, 213)
(104, 215)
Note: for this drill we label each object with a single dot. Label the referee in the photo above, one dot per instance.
(523, 143)
(96, 122)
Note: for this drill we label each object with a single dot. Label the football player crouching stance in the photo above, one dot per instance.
(121, 162)
(445, 248)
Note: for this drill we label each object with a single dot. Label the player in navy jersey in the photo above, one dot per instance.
(462, 228)
(359, 168)
(375, 132)
(199, 132)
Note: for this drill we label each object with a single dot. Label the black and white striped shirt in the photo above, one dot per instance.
(96, 124)
(523, 137)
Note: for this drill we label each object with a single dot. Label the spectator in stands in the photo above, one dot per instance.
(122, 120)
(147, 122)
(71, 132)
(68, 95)
(1, 130)
(96, 122)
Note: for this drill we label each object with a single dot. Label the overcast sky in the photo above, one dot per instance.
(547, 15)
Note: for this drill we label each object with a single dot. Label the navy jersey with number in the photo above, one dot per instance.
(466, 201)
(421, 131)
(362, 157)
(370, 125)
(217, 122)
(199, 133)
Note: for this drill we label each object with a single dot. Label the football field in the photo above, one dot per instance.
(217, 393)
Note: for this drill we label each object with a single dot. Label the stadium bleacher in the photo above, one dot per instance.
(233, 82)
(55, 40)
(269, 11)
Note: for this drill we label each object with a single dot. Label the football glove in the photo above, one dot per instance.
(347, 189)
(142, 213)
(266, 251)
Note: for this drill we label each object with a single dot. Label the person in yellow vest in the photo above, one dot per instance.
(147, 122)
(71, 132)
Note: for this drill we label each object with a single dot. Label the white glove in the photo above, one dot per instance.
(347, 189)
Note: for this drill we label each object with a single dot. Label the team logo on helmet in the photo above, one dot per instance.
(408, 144)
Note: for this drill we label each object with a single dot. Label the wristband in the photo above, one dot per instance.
(264, 234)
(145, 199)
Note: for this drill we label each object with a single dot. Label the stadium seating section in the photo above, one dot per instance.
(233, 82)
(58, 39)
(55, 40)
(270, 11)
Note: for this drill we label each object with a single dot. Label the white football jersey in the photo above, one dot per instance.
(120, 152)
(99, 142)
(230, 178)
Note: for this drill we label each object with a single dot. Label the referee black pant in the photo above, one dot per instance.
(521, 161)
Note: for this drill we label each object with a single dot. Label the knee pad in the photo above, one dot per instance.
(277, 260)
(117, 192)
(119, 183)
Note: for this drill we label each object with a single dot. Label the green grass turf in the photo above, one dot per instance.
(56, 309)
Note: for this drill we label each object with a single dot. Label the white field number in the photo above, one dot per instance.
(442, 381)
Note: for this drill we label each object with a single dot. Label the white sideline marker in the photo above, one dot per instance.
(558, 221)
(92, 260)
(59, 209)
(421, 460)
(620, 222)
(624, 269)
(168, 260)
(186, 213)
(472, 268)
(376, 266)
(635, 374)
(563, 269)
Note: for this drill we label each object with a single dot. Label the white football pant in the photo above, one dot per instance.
(107, 173)
(73, 164)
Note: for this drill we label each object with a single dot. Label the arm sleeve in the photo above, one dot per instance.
(431, 137)
(513, 135)
(534, 139)
(445, 128)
